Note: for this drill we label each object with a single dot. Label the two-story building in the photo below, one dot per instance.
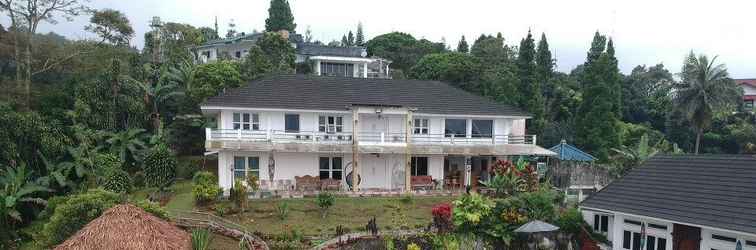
(345, 61)
(749, 93)
(384, 130)
(683, 202)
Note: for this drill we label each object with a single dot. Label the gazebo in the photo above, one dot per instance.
(128, 227)
(572, 170)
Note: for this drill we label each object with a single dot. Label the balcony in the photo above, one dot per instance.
(370, 138)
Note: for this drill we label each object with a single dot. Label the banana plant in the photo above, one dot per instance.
(57, 174)
(18, 189)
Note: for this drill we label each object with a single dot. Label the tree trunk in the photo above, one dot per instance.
(27, 77)
(698, 139)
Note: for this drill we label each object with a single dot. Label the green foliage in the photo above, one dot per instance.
(531, 96)
(597, 119)
(205, 187)
(153, 207)
(280, 17)
(239, 194)
(24, 135)
(127, 145)
(272, 54)
(413, 246)
(253, 182)
(17, 189)
(117, 181)
(111, 25)
(706, 89)
(325, 200)
(359, 38)
(211, 78)
(160, 167)
(492, 50)
(221, 209)
(469, 211)
(200, 239)
(462, 46)
(176, 38)
(459, 69)
(570, 221)
(282, 210)
(402, 49)
(76, 212)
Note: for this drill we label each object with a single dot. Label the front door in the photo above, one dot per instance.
(686, 237)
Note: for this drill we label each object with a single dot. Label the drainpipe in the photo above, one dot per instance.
(355, 149)
(408, 153)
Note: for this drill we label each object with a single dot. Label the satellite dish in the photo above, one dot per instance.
(364, 53)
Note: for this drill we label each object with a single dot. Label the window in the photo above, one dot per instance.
(330, 168)
(633, 222)
(291, 122)
(723, 238)
(420, 127)
(419, 166)
(246, 121)
(748, 104)
(238, 54)
(632, 240)
(482, 128)
(601, 223)
(331, 124)
(751, 243)
(455, 127)
(246, 166)
(336, 69)
(657, 226)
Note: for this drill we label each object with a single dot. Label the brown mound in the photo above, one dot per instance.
(128, 227)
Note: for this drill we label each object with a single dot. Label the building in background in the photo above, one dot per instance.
(342, 61)
(749, 93)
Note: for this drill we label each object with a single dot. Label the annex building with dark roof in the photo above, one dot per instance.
(679, 202)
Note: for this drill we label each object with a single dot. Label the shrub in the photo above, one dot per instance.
(469, 210)
(117, 181)
(407, 199)
(152, 207)
(253, 182)
(160, 167)
(187, 168)
(442, 219)
(138, 179)
(239, 194)
(413, 246)
(76, 212)
(200, 239)
(204, 187)
(324, 201)
(221, 209)
(570, 221)
(282, 210)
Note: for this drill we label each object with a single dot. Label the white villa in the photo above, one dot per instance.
(705, 202)
(351, 61)
(749, 93)
(394, 134)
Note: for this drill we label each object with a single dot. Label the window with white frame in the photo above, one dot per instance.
(601, 223)
(246, 121)
(331, 167)
(632, 241)
(420, 127)
(244, 166)
(331, 124)
(419, 166)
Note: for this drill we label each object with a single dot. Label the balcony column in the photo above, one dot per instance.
(317, 67)
(355, 149)
(408, 153)
(468, 171)
(364, 70)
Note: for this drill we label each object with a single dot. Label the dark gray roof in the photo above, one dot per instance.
(338, 93)
(708, 190)
(312, 49)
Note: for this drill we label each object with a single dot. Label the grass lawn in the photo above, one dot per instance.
(351, 213)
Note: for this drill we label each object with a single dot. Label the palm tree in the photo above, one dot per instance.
(706, 88)
(126, 144)
(156, 95)
(630, 157)
(17, 189)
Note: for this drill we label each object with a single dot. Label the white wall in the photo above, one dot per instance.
(308, 121)
(707, 242)
(748, 89)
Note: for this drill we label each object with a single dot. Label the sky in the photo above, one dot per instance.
(645, 32)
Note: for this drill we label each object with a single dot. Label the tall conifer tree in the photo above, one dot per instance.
(529, 87)
(462, 46)
(280, 17)
(359, 39)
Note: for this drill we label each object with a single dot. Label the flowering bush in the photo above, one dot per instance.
(442, 219)
(469, 211)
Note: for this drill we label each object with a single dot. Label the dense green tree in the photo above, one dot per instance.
(706, 89)
(256, 64)
(529, 86)
(344, 41)
(280, 17)
(208, 34)
(614, 78)
(127, 145)
(359, 38)
(497, 82)
(597, 123)
(459, 69)
(212, 78)
(544, 61)
(272, 54)
(462, 46)
(350, 39)
(25, 136)
(175, 39)
(111, 25)
(160, 167)
(402, 48)
(491, 50)
(646, 95)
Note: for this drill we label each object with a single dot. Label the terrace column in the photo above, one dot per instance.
(408, 153)
(355, 149)
(468, 171)
(364, 70)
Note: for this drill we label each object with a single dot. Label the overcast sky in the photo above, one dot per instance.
(645, 31)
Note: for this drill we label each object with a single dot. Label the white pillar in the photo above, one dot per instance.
(317, 67)
(364, 70)
(468, 171)
(355, 72)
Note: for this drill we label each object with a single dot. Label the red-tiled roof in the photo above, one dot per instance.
(751, 82)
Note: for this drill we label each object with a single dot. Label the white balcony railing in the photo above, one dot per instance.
(368, 138)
